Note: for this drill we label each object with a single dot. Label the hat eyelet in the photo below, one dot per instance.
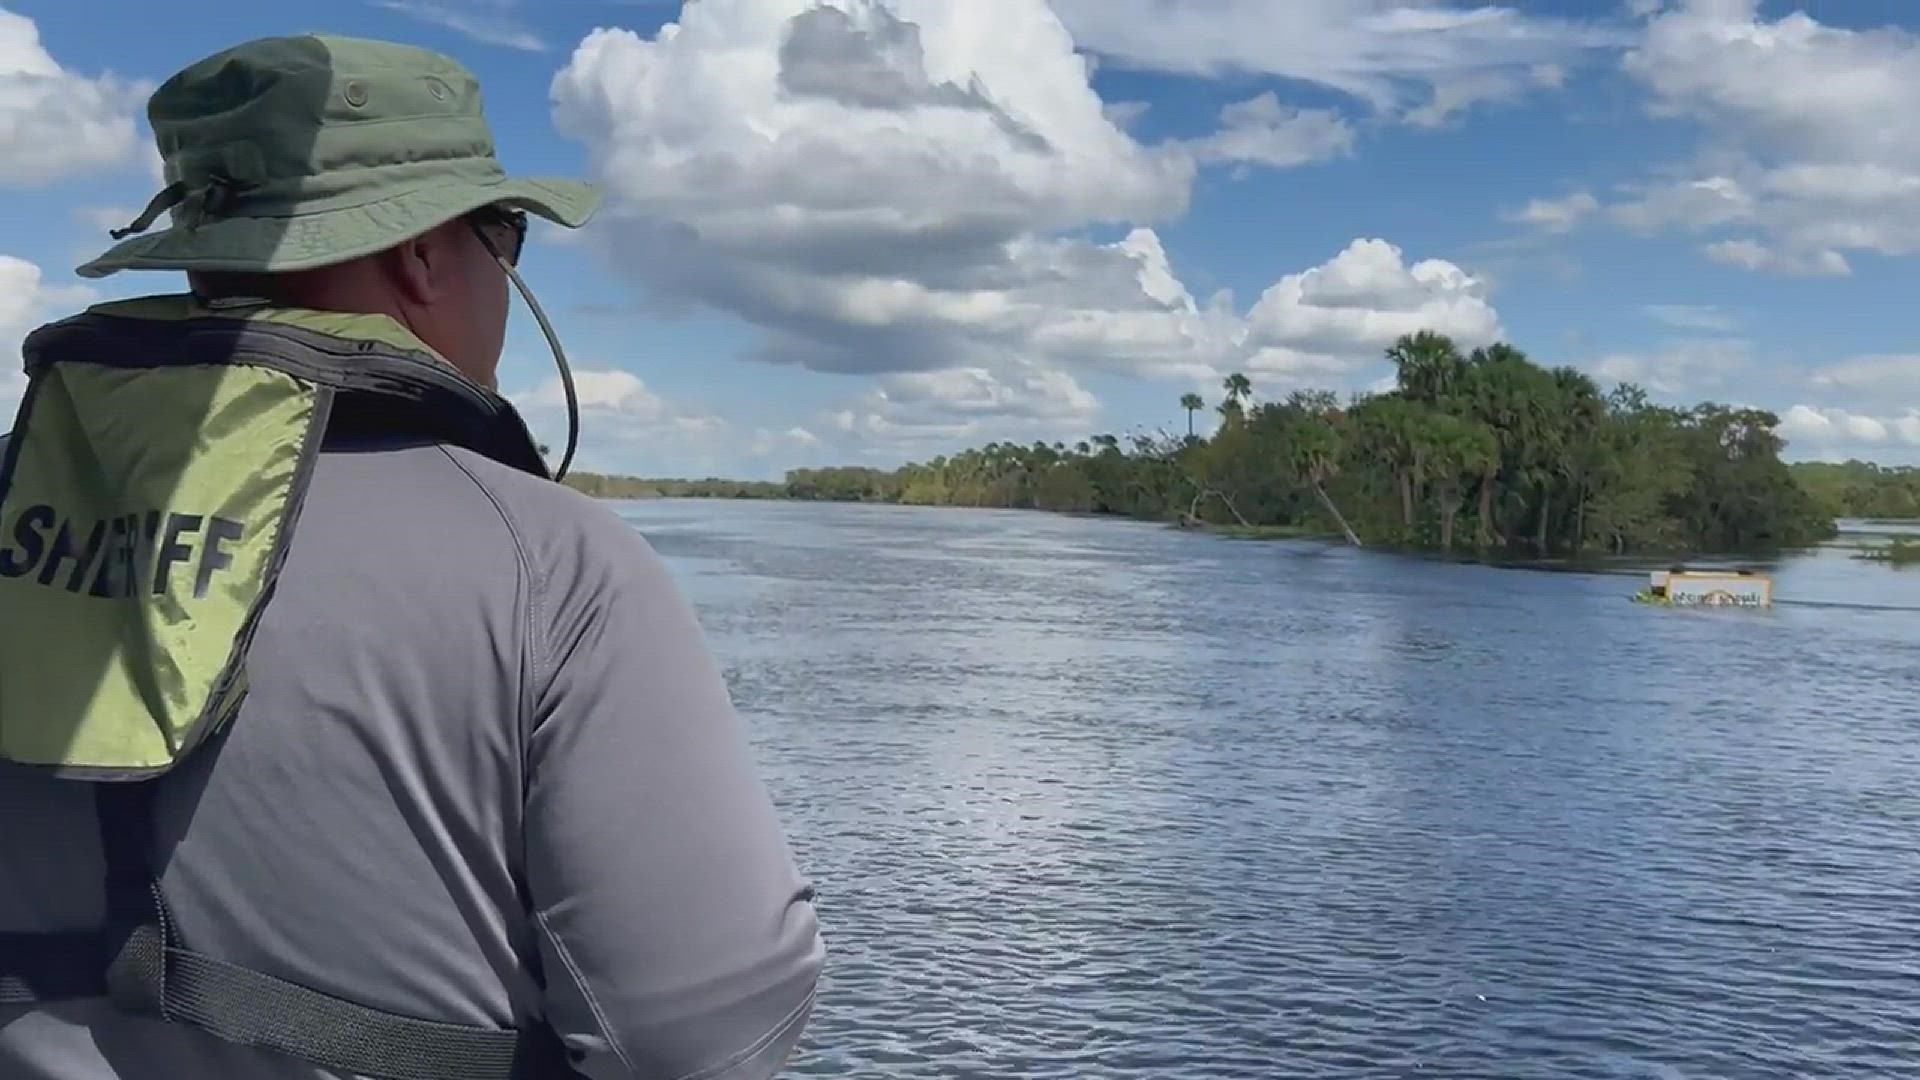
(355, 93)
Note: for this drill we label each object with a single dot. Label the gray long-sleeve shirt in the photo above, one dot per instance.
(487, 770)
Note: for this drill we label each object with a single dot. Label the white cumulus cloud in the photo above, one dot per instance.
(900, 188)
(55, 123)
(1812, 431)
(1037, 394)
(26, 301)
(879, 186)
(932, 195)
(1262, 131)
(1809, 142)
(616, 408)
(912, 410)
(1332, 319)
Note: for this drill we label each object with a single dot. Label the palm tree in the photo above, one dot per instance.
(1461, 450)
(1586, 411)
(1498, 390)
(1315, 459)
(1192, 403)
(1238, 388)
(1395, 431)
(1427, 366)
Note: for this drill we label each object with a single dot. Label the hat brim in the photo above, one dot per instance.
(312, 240)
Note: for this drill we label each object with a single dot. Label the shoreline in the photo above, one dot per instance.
(1437, 464)
(1514, 558)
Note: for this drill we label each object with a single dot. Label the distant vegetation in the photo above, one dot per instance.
(1861, 489)
(1482, 451)
(633, 487)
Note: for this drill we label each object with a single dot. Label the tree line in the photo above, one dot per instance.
(1861, 489)
(1484, 450)
(602, 486)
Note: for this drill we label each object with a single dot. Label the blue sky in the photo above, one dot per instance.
(874, 230)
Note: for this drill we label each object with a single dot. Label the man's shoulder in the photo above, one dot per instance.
(593, 576)
(560, 529)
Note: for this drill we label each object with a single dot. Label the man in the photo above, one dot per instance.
(336, 739)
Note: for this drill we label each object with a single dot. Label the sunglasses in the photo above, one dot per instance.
(495, 219)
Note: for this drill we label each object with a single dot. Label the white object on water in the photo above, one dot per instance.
(1711, 588)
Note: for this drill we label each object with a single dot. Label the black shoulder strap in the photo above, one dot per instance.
(385, 387)
(138, 963)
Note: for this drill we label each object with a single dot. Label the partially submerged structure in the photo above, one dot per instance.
(1680, 587)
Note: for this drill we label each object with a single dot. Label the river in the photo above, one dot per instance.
(1090, 798)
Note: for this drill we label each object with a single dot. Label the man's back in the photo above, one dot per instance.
(486, 771)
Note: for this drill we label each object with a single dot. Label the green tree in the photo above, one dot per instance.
(1315, 460)
(1393, 431)
(1539, 457)
(1584, 412)
(1239, 388)
(1192, 403)
(1427, 367)
(1861, 489)
(1461, 451)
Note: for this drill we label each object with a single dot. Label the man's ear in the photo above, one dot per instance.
(418, 267)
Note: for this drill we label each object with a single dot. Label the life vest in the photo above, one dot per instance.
(148, 493)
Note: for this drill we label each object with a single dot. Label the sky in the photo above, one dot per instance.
(873, 231)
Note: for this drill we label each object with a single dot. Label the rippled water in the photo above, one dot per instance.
(1100, 799)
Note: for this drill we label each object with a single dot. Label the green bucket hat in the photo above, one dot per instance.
(292, 153)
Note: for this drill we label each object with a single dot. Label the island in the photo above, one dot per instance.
(1484, 451)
